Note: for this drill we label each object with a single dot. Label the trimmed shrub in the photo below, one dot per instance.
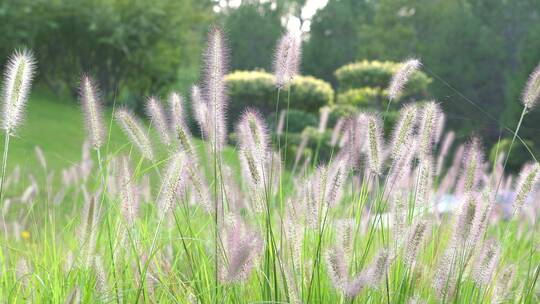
(378, 74)
(363, 97)
(256, 89)
(338, 111)
(309, 94)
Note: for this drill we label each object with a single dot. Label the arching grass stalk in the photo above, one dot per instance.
(510, 147)
(18, 79)
(287, 124)
(529, 99)
(2, 178)
(399, 80)
(504, 167)
(102, 174)
(280, 177)
(167, 195)
(286, 66)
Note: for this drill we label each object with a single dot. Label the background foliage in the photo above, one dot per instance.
(256, 89)
(478, 53)
(140, 46)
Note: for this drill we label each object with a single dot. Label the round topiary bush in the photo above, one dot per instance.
(363, 97)
(377, 74)
(251, 88)
(256, 89)
(339, 110)
(310, 94)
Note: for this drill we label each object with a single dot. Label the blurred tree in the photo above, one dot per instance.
(334, 37)
(138, 46)
(458, 51)
(252, 30)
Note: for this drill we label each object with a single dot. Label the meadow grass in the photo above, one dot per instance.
(146, 216)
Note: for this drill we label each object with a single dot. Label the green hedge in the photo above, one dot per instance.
(256, 89)
(363, 97)
(310, 94)
(378, 74)
(338, 111)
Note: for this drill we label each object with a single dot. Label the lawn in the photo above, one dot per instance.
(56, 126)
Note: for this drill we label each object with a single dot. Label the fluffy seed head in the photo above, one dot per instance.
(472, 165)
(337, 268)
(428, 127)
(337, 174)
(101, 275)
(91, 105)
(528, 178)
(482, 217)
(486, 262)
(178, 124)
(301, 148)
(403, 130)
(414, 242)
(18, 79)
(445, 277)
(159, 119)
(503, 287)
(323, 119)
(356, 285)
(345, 232)
(465, 220)
(399, 215)
(531, 93)
(445, 147)
(242, 246)
(176, 108)
(88, 228)
(200, 110)
(401, 166)
(129, 192)
(425, 182)
(135, 132)
(375, 141)
(400, 78)
(378, 268)
(252, 132)
(440, 127)
(337, 131)
(200, 186)
(253, 140)
(287, 59)
(281, 123)
(215, 59)
(171, 183)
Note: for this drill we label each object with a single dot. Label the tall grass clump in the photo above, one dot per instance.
(165, 217)
(18, 76)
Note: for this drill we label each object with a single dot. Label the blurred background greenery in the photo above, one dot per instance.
(476, 53)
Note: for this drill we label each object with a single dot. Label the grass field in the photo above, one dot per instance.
(48, 261)
(149, 214)
(57, 127)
